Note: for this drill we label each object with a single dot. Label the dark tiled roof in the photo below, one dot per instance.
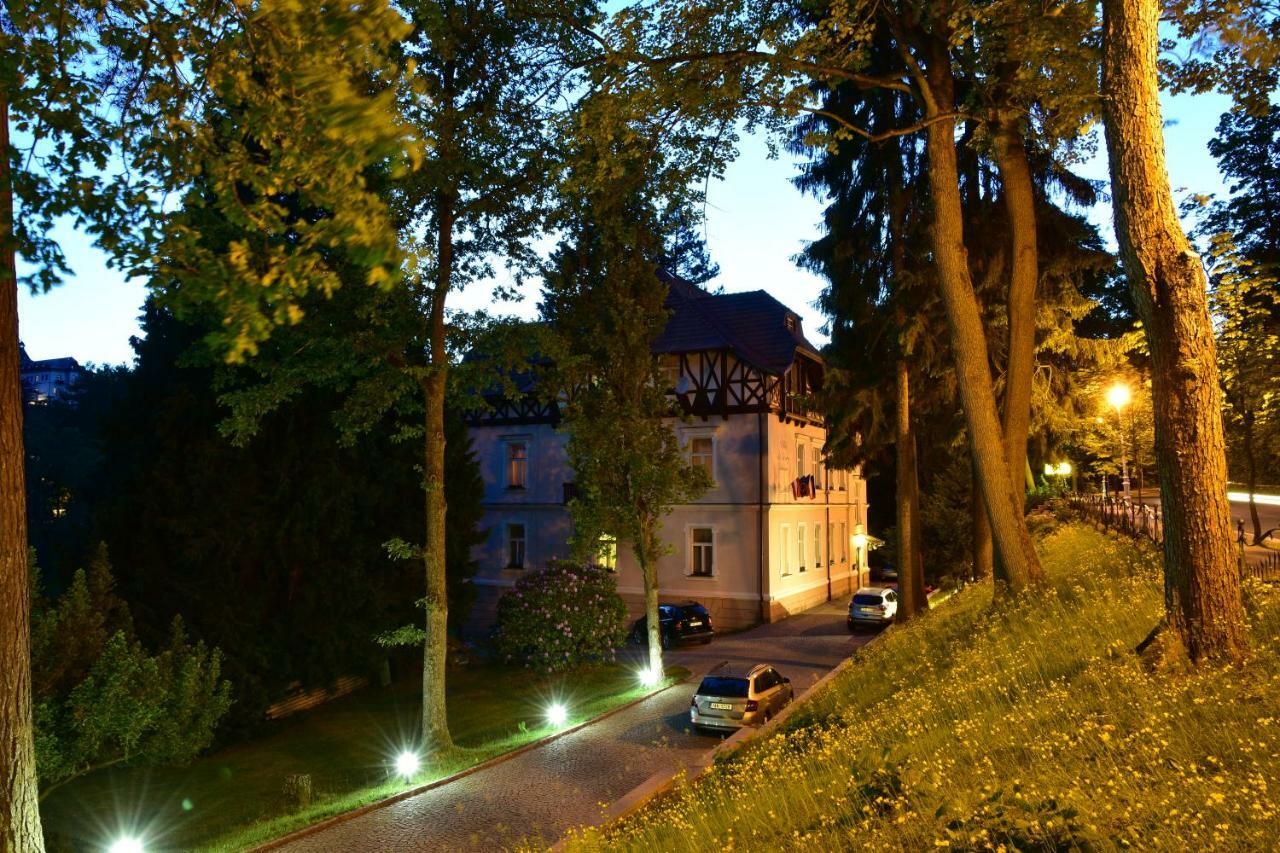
(756, 327)
(65, 363)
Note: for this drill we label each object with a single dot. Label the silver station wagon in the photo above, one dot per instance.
(733, 696)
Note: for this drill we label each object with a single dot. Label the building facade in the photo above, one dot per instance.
(779, 531)
(46, 379)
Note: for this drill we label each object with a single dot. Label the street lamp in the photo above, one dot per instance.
(1119, 396)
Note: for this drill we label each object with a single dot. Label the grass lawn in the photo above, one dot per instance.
(1029, 727)
(232, 799)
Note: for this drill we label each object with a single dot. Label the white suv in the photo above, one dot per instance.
(873, 605)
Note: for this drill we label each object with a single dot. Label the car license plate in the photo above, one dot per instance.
(695, 624)
(867, 609)
(722, 706)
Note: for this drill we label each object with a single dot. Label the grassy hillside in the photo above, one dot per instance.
(1035, 728)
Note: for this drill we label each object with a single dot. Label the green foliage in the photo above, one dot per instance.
(561, 617)
(101, 698)
(1240, 234)
(109, 126)
(273, 550)
(604, 304)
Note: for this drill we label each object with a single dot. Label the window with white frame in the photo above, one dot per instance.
(784, 545)
(801, 562)
(702, 454)
(816, 450)
(817, 546)
(800, 459)
(701, 551)
(844, 542)
(517, 464)
(515, 546)
(607, 552)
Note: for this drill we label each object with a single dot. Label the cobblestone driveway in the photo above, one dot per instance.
(543, 792)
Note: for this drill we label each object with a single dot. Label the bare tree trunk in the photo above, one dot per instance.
(646, 555)
(1168, 286)
(19, 791)
(912, 591)
(1251, 465)
(1020, 202)
(435, 650)
(968, 341)
(983, 556)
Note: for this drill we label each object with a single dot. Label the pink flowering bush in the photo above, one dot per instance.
(560, 617)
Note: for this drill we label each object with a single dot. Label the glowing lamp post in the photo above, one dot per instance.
(859, 540)
(1119, 396)
(407, 764)
(649, 677)
(557, 714)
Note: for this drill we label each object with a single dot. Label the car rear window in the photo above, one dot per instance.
(695, 610)
(867, 599)
(716, 686)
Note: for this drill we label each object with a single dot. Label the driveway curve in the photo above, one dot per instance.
(569, 781)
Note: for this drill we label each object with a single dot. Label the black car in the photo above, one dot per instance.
(881, 568)
(677, 623)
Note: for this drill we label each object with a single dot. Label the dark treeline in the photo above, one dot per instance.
(272, 551)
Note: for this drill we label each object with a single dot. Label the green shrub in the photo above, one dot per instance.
(560, 617)
(101, 698)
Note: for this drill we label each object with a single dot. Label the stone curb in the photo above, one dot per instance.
(664, 780)
(327, 823)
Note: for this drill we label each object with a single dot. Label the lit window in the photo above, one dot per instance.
(702, 455)
(671, 372)
(702, 550)
(800, 555)
(517, 464)
(515, 546)
(607, 552)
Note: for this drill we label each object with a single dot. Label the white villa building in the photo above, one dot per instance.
(46, 379)
(779, 532)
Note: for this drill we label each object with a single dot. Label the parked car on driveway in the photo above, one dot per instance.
(872, 606)
(676, 623)
(733, 696)
(881, 568)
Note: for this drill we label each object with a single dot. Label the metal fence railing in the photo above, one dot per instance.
(1145, 521)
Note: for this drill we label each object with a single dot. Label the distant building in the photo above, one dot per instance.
(781, 531)
(46, 379)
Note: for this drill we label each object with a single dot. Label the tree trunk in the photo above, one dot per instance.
(1168, 286)
(1251, 472)
(435, 650)
(19, 791)
(646, 556)
(968, 341)
(1020, 202)
(983, 556)
(911, 591)
(917, 526)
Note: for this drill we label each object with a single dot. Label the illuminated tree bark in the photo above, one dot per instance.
(968, 342)
(19, 792)
(1168, 285)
